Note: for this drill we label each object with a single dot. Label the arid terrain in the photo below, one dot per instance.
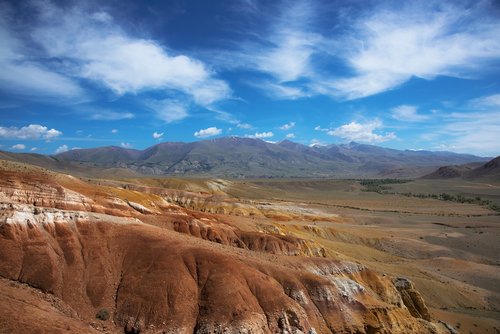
(166, 255)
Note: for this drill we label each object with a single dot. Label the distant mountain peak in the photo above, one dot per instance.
(236, 157)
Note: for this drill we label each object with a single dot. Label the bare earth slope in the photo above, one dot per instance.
(161, 260)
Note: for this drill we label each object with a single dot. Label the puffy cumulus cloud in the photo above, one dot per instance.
(99, 50)
(287, 126)
(126, 145)
(208, 132)
(407, 113)
(261, 135)
(157, 135)
(362, 132)
(18, 147)
(290, 135)
(32, 131)
(61, 149)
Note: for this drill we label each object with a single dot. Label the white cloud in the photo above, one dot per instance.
(407, 113)
(126, 145)
(316, 142)
(486, 101)
(32, 131)
(21, 75)
(473, 132)
(290, 135)
(355, 131)
(168, 110)
(208, 132)
(61, 149)
(261, 135)
(33, 149)
(287, 126)
(381, 46)
(157, 135)
(290, 56)
(418, 40)
(99, 50)
(282, 91)
(114, 131)
(18, 147)
(283, 50)
(319, 128)
(244, 126)
(107, 115)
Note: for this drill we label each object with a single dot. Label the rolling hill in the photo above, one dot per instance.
(489, 170)
(234, 157)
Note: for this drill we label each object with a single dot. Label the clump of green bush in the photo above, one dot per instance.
(103, 314)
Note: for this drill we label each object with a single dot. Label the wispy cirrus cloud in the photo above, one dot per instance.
(425, 40)
(378, 47)
(106, 114)
(473, 132)
(485, 102)
(23, 75)
(407, 113)
(474, 129)
(168, 110)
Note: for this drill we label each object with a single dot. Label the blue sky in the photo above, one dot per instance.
(406, 75)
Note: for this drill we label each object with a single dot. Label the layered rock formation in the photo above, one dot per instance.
(91, 250)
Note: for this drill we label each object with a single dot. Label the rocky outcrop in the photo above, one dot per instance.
(412, 298)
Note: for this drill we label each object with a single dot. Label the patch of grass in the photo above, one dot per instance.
(380, 185)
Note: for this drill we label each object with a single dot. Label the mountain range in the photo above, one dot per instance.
(235, 157)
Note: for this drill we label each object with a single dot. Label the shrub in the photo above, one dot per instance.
(103, 314)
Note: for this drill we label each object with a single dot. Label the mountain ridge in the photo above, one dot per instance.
(489, 170)
(239, 157)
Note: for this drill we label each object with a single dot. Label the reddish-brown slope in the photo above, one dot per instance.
(153, 279)
(150, 277)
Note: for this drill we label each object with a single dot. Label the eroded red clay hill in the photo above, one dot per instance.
(88, 248)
